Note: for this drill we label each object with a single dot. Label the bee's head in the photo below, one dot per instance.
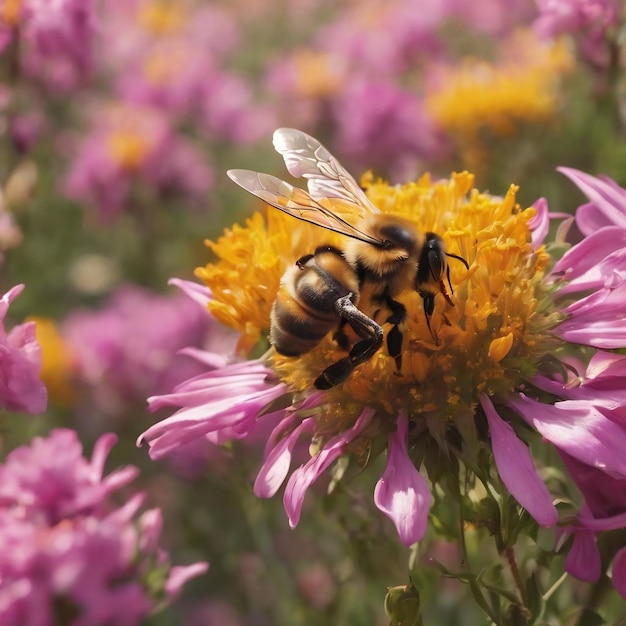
(399, 246)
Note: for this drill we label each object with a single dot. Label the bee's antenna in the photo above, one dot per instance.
(458, 258)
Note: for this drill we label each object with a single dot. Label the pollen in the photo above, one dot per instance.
(499, 324)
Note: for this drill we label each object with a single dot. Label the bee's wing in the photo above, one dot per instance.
(297, 203)
(306, 157)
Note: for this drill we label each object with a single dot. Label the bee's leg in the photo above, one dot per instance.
(449, 281)
(429, 308)
(394, 336)
(340, 335)
(372, 338)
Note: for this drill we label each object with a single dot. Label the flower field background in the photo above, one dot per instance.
(118, 121)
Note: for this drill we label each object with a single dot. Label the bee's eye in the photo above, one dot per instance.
(396, 236)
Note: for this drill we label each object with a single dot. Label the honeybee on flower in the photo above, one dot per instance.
(357, 286)
(499, 363)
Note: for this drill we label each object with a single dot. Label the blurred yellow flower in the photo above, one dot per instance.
(477, 96)
(57, 363)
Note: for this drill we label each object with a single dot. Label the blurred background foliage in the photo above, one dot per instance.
(116, 139)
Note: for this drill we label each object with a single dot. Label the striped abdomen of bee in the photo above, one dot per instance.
(315, 294)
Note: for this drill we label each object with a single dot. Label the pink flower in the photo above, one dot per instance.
(132, 145)
(131, 347)
(590, 20)
(499, 365)
(381, 124)
(20, 364)
(63, 541)
(56, 41)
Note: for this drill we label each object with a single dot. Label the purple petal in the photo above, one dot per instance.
(602, 383)
(583, 559)
(605, 496)
(590, 263)
(101, 451)
(516, 468)
(608, 202)
(539, 224)
(402, 493)
(278, 461)
(598, 320)
(180, 574)
(618, 575)
(197, 292)
(579, 429)
(307, 474)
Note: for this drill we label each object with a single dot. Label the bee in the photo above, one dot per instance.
(356, 286)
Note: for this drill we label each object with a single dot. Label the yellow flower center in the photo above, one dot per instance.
(163, 64)
(10, 12)
(128, 149)
(487, 342)
(315, 74)
(57, 364)
(160, 18)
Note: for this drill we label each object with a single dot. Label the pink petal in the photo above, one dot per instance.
(307, 474)
(583, 559)
(539, 224)
(602, 383)
(597, 320)
(180, 574)
(590, 263)
(579, 429)
(100, 453)
(516, 468)
(8, 297)
(618, 575)
(608, 202)
(277, 463)
(201, 294)
(402, 493)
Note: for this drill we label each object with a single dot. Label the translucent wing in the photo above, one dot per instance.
(297, 203)
(306, 157)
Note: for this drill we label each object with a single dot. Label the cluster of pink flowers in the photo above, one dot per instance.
(20, 364)
(130, 145)
(592, 22)
(362, 77)
(134, 345)
(174, 57)
(68, 554)
(56, 40)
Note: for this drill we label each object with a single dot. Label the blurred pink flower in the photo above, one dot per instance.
(131, 348)
(63, 541)
(380, 124)
(591, 21)
(56, 40)
(20, 364)
(384, 40)
(131, 144)
(229, 111)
